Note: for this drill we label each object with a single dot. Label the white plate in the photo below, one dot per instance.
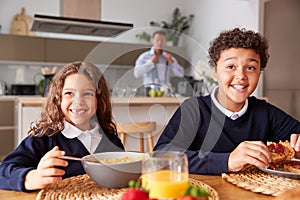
(282, 173)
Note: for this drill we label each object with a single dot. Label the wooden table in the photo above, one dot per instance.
(226, 190)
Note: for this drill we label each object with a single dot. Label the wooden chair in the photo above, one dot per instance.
(141, 128)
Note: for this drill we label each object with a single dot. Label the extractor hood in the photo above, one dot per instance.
(53, 24)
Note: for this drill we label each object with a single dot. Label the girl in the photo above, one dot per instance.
(76, 121)
(228, 129)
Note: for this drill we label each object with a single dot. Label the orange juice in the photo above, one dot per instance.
(165, 184)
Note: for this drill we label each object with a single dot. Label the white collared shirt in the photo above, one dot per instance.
(228, 113)
(89, 138)
(152, 72)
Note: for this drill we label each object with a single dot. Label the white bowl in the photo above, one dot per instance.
(116, 175)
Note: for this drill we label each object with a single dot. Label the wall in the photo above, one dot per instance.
(214, 16)
(211, 16)
(282, 84)
(30, 73)
(8, 9)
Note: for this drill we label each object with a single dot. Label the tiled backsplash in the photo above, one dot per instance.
(13, 72)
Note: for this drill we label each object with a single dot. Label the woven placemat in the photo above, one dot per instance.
(82, 187)
(258, 181)
(78, 187)
(214, 194)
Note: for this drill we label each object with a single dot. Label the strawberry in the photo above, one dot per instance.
(189, 197)
(195, 193)
(134, 194)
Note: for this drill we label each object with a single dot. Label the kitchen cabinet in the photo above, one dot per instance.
(7, 126)
(22, 48)
(26, 115)
(58, 50)
(41, 49)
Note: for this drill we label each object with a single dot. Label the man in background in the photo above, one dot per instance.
(154, 65)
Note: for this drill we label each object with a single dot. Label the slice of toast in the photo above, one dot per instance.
(281, 151)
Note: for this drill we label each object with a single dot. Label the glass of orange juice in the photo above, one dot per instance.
(165, 174)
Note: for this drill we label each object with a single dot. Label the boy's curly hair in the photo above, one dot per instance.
(239, 38)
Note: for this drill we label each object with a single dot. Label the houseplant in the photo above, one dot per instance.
(179, 24)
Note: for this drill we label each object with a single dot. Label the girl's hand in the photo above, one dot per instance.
(249, 152)
(46, 172)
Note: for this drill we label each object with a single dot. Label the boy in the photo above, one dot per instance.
(226, 130)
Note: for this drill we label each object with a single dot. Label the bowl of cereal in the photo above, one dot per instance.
(113, 169)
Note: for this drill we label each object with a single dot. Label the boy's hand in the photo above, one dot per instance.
(249, 152)
(46, 172)
(295, 143)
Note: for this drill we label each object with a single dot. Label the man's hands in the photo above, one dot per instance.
(46, 172)
(249, 152)
(167, 56)
(154, 59)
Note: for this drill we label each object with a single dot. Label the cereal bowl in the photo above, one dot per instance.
(115, 169)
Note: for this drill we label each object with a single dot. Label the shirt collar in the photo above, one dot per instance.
(228, 113)
(152, 51)
(70, 131)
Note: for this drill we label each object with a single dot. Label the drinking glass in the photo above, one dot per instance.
(165, 174)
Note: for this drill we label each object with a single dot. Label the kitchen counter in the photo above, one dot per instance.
(7, 124)
(8, 98)
(18, 112)
(135, 109)
(37, 101)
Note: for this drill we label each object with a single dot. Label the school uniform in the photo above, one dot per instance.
(207, 134)
(27, 155)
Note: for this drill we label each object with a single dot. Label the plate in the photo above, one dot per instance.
(282, 173)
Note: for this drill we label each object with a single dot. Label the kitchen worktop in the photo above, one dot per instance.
(27, 109)
(37, 101)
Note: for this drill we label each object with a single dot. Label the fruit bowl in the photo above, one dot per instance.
(157, 90)
(115, 169)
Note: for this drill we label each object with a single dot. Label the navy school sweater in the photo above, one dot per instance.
(208, 136)
(27, 155)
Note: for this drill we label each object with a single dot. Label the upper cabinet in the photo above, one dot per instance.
(40, 49)
(22, 48)
(60, 50)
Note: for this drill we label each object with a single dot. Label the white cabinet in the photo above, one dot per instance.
(7, 125)
(160, 113)
(27, 116)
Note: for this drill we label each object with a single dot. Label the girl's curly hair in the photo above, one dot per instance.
(51, 121)
(239, 38)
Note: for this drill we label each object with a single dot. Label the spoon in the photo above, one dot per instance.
(78, 159)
